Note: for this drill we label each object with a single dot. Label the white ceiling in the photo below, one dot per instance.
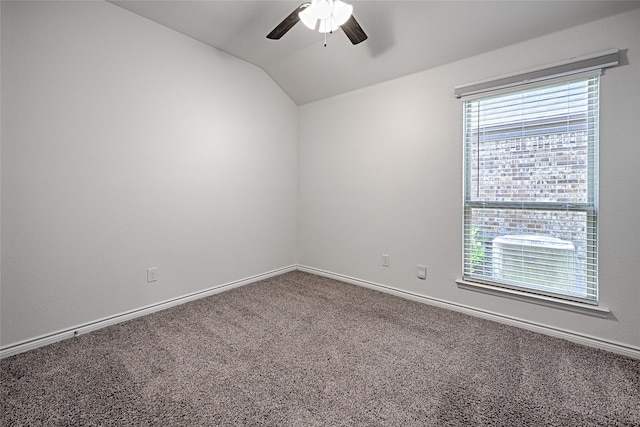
(404, 36)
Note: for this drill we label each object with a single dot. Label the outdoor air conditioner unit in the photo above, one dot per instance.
(534, 260)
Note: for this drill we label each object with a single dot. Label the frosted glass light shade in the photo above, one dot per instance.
(341, 12)
(328, 25)
(308, 18)
(330, 13)
(322, 8)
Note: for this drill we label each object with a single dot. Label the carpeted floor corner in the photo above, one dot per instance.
(302, 350)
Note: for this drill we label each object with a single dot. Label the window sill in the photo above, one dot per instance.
(576, 307)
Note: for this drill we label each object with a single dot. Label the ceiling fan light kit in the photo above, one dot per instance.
(331, 13)
(327, 16)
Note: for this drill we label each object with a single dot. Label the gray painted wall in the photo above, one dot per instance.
(126, 145)
(385, 177)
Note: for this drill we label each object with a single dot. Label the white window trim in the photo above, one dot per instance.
(575, 67)
(576, 307)
(596, 61)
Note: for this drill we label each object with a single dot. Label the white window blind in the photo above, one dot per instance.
(531, 189)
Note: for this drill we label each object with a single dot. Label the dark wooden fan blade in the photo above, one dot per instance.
(287, 23)
(354, 31)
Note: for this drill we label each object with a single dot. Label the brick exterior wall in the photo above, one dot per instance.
(541, 168)
(545, 168)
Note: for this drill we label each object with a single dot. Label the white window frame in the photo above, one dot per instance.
(521, 275)
(543, 76)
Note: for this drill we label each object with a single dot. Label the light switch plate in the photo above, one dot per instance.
(422, 272)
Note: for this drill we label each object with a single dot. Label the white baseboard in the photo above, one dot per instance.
(34, 343)
(575, 337)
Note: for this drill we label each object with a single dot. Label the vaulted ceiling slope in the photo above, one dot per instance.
(404, 36)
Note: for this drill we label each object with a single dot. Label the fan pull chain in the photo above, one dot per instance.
(330, 31)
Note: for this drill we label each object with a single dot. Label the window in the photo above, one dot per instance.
(531, 188)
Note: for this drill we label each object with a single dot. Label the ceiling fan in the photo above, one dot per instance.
(331, 14)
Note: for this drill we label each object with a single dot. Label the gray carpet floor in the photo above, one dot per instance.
(302, 350)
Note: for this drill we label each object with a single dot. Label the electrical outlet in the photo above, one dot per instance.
(152, 274)
(386, 260)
